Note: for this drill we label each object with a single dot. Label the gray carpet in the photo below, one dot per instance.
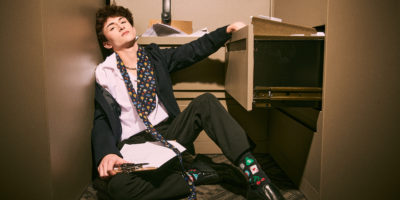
(225, 191)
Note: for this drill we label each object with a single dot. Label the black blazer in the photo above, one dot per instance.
(106, 132)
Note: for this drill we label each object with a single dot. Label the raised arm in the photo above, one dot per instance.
(190, 53)
(104, 143)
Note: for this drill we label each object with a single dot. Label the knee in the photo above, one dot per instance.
(205, 103)
(207, 97)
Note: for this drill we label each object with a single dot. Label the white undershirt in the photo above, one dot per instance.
(109, 77)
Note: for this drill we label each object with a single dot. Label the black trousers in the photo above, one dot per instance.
(203, 113)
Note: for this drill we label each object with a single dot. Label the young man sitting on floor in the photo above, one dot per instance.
(134, 102)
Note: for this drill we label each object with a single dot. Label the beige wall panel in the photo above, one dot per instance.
(310, 184)
(307, 13)
(296, 148)
(181, 94)
(24, 146)
(290, 144)
(71, 55)
(361, 101)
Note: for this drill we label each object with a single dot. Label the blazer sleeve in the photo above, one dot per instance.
(104, 141)
(192, 52)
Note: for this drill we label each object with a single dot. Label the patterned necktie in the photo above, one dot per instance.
(145, 102)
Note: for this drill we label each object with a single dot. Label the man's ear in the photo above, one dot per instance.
(107, 45)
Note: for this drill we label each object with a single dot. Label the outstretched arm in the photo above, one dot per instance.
(106, 153)
(104, 143)
(192, 52)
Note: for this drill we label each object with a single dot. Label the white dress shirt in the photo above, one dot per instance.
(110, 78)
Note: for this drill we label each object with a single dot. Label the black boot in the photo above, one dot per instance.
(265, 192)
(227, 174)
(206, 175)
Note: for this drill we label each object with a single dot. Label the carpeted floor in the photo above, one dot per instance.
(236, 191)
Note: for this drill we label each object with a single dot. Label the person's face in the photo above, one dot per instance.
(119, 33)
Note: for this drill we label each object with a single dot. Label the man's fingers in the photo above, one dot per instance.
(110, 166)
(112, 172)
(117, 161)
(101, 171)
(103, 168)
(104, 171)
(106, 166)
(121, 161)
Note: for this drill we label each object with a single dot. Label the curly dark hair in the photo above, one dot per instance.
(110, 11)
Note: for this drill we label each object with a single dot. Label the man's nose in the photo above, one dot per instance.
(121, 27)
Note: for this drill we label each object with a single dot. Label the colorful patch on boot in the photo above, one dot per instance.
(256, 178)
(254, 169)
(259, 182)
(195, 176)
(241, 166)
(247, 173)
(248, 161)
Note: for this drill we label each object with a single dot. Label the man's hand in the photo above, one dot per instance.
(106, 165)
(234, 27)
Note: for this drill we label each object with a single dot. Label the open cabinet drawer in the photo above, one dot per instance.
(271, 63)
